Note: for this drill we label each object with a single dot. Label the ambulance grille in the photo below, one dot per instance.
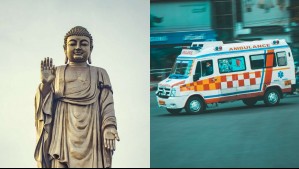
(163, 92)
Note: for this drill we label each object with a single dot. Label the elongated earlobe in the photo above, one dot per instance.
(66, 60)
(89, 60)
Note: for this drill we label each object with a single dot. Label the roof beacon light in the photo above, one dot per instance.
(275, 42)
(218, 48)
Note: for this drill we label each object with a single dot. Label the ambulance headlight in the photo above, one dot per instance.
(173, 92)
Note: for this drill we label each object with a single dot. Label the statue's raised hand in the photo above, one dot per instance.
(47, 71)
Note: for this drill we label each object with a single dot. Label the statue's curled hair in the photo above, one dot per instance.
(78, 31)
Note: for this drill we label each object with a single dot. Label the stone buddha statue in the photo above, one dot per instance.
(74, 109)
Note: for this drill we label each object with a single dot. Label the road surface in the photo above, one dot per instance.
(231, 135)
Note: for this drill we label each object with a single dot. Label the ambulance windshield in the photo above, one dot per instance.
(181, 69)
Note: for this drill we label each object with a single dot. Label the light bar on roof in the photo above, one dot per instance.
(218, 48)
(275, 42)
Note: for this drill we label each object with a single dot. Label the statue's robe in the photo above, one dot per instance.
(70, 124)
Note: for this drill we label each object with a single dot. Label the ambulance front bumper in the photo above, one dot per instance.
(172, 102)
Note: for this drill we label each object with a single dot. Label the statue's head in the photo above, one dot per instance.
(78, 45)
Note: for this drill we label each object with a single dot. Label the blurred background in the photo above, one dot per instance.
(176, 23)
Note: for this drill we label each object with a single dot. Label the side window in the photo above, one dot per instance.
(235, 64)
(198, 69)
(263, 61)
(207, 68)
(282, 59)
(257, 61)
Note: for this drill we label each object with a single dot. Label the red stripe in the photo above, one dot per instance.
(179, 83)
(288, 90)
(242, 96)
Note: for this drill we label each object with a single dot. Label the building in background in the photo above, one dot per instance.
(294, 23)
(224, 17)
(268, 19)
(264, 19)
(174, 24)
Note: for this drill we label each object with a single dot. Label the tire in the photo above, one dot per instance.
(174, 111)
(250, 102)
(272, 97)
(195, 105)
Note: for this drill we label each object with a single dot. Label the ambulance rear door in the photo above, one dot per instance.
(284, 73)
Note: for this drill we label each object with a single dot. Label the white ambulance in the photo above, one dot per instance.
(213, 72)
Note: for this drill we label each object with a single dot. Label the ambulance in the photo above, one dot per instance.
(212, 72)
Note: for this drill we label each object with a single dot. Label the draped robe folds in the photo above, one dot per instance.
(70, 125)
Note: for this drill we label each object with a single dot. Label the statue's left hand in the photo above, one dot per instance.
(110, 135)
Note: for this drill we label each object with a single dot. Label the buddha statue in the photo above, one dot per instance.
(74, 109)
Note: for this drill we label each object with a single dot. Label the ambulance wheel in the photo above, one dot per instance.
(195, 105)
(272, 97)
(250, 102)
(174, 111)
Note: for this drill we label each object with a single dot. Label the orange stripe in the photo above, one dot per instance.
(270, 58)
(281, 69)
(269, 71)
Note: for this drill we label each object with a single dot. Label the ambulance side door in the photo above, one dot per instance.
(256, 77)
(208, 85)
(262, 66)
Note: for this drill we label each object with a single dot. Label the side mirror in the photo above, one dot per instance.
(196, 77)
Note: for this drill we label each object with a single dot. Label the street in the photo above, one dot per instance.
(230, 135)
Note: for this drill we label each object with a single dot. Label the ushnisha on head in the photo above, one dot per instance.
(78, 45)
